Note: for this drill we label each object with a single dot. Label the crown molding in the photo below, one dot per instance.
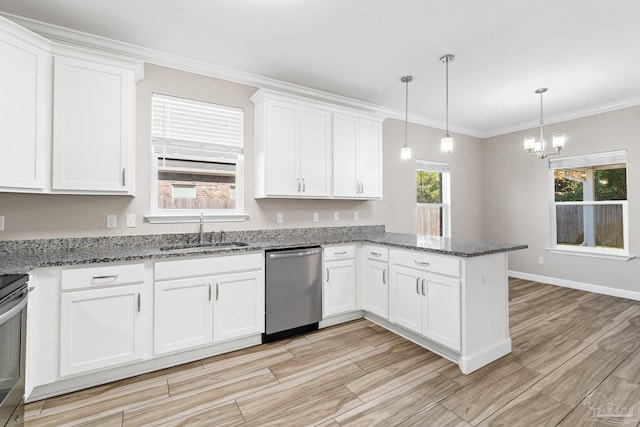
(572, 115)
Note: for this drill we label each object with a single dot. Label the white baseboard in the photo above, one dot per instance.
(589, 287)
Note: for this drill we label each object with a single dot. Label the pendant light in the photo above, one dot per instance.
(446, 142)
(405, 152)
(537, 147)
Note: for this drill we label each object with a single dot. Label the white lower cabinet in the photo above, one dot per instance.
(425, 302)
(376, 281)
(100, 320)
(238, 305)
(182, 314)
(339, 281)
(223, 302)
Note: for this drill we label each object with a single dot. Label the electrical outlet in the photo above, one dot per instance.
(279, 218)
(355, 215)
(540, 260)
(112, 221)
(131, 220)
(316, 217)
(2, 223)
(336, 216)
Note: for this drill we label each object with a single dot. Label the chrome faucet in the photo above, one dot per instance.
(201, 240)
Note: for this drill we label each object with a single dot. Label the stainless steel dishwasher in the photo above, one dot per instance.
(293, 294)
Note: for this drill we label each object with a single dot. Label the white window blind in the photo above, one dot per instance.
(185, 128)
(606, 158)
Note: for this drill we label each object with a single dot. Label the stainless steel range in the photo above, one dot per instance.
(13, 325)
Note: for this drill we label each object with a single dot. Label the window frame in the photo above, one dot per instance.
(444, 169)
(588, 160)
(234, 154)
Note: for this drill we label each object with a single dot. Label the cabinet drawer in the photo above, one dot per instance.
(339, 252)
(376, 252)
(427, 262)
(111, 275)
(193, 267)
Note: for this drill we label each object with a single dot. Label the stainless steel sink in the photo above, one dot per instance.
(196, 246)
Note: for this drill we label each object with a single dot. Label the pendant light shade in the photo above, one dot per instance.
(405, 152)
(446, 142)
(537, 147)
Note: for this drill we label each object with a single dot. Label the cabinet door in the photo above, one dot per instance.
(282, 149)
(100, 328)
(238, 305)
(344, 155)
(24, 122)
(441, 318)
(405, 298)
(369, 167)
(339, 287)
(93, 127)
(182, 314)
(376, 289)
(315, 152)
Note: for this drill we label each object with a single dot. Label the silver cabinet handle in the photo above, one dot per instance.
(375, 253)
(421, 262)
(327, 274)
(138, 302)
(340, 253)
(124, 177)
(298, 184)
(217, 291)
(304, 186)
(107, 278)
(209, 291)
(384, 274)
(357, 187)
(361, 187)
(418, 285)
(423, 293)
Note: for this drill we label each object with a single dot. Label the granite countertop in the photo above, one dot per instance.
(24, 256)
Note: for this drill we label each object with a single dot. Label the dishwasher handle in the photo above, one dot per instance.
(294, 254)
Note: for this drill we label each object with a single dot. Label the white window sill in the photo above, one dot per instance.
(195, 217)
(622, 256)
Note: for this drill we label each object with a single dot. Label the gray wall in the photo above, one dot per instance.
(518, 194)
(44, 216)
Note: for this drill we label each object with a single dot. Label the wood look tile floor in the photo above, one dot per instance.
(573, 352)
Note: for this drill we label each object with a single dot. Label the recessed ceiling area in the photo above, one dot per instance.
(584, 52)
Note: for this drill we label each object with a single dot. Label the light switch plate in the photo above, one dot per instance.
(355, 216)
(279, 218)
(316, 217)
(336, 216)
(2, 223)
(131, 220)
(112, 221)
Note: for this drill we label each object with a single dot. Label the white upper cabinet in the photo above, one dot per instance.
(67, 124)
(357, 157)
(93, 127)
(312, 149)
(293, 149)
(25, 85)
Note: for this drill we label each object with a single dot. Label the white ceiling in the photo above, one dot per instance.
(584, 51)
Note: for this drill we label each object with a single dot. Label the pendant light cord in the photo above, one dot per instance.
(541, 119)
(447, 94)
(406, 111)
